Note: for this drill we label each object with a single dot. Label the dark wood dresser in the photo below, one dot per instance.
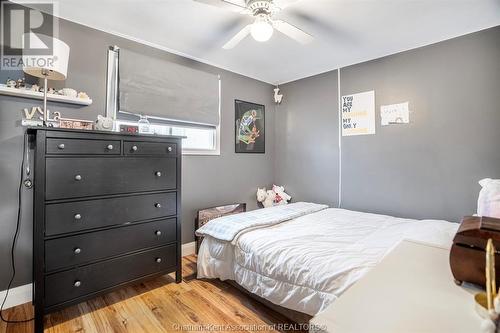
(106, 213)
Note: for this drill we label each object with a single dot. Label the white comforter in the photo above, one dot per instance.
(304, 264)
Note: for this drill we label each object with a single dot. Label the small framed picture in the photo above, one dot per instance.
(250, 129)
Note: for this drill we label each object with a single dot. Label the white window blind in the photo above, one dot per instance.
(156, 87)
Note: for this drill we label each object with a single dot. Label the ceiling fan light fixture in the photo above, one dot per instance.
(262, 30)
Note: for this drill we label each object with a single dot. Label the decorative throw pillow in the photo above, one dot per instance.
(488, 203)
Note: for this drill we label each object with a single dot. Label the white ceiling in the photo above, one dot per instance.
(346, 31)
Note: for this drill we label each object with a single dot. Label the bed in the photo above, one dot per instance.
(305, 260)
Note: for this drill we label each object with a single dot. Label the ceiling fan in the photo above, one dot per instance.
(264, 24)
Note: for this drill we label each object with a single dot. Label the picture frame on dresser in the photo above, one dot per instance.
(106, 213)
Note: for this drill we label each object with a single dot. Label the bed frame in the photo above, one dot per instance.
(295, 316)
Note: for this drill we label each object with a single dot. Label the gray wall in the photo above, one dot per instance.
(426, 169)
(429, 168)
(307, 139)
(207, 180)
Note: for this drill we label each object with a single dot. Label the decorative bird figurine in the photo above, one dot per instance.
(277, 96)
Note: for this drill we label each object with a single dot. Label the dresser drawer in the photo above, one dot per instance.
(89, 214)
(80, 249)
(65, 286)
(82, 177)
(85, 147)
(149, 148)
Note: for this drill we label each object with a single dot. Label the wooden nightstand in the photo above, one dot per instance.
(411, 291)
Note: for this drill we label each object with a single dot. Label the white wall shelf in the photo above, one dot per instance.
(4, 90)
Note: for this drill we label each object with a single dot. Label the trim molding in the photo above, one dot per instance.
(188, 249)
(17, 296)
(22, 294)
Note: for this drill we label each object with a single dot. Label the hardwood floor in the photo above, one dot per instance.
(159, 305)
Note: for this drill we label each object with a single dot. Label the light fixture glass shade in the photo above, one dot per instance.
(53, 66)
(261, 29)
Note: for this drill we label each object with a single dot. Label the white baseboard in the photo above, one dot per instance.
(17, 296)
(22, 294)
(188, 249)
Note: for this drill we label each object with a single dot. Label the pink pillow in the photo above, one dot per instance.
(488, 203)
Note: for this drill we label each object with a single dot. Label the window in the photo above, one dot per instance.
(200, 140)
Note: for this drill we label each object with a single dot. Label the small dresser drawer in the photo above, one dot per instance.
(83, 215)
(83, 177)
(83, 147)
(80, 249)
(65, 286)
(149, 148)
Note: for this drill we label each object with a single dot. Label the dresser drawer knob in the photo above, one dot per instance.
(158, 174)
(77, 283)
(158, 233)
(169, 148)
(78, 177)
(134, 148)
(110, 147)
(78, 216)
(158, 260)
(158, 205)
(77, 250)
(61, 146)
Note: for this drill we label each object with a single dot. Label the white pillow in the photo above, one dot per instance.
(488, 203)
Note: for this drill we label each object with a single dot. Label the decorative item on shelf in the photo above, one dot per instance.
(249, 127)
(205, 215)
(277, 96)
(21, 83)
(52, 91)
(54, 70)
(104, 124)
(35, 87)
(274, 197)
(488, 303)
(68, 92)
(11, 83)
(83, 95)
(130, 129)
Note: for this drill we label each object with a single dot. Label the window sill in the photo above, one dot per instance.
(201, 152)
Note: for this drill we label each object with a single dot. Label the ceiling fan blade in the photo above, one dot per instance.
(225, 4)
(237, 38)
(293, 32)
(282, 4)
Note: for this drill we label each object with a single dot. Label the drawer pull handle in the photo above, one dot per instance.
(77, 250)
(61, 146)
(78, 177)
(158, 174)
(77, 283)
(78, 216)
(158, 260)
(110, 147)
(169, 149)
(157, 205)
(134, 148)
(158, 233)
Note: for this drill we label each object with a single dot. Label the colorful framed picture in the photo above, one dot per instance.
(250, 129)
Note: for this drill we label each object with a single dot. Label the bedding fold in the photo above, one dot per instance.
(226, 228)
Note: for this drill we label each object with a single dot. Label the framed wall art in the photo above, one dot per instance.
(250, 129)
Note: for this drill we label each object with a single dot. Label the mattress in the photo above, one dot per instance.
(306, 263)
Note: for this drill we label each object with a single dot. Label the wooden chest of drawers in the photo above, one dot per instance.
(106, 213)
